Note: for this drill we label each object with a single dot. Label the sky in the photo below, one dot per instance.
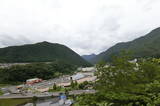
(85, 26)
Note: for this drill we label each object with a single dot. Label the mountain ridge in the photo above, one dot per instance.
(40, 52)
(88, 57)
(144, 46)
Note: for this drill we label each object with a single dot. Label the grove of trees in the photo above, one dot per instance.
(124, 83)
(20, 73)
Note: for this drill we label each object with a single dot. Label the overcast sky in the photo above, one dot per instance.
(86, 26)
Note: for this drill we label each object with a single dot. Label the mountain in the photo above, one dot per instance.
(88, 57)
(40, 52)
(145, 46)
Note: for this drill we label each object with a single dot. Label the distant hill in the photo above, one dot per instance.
(145, 46)
(88, 57)
(40, 52)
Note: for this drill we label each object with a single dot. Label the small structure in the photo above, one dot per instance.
(133, 61)
(33, 81)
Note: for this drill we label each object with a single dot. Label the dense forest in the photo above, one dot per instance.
(125, 83)
(20, 73)
(145, 46)
(40, 52)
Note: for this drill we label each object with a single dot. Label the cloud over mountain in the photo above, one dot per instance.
(86, 26)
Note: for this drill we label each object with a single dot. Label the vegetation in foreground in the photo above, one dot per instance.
(124, 83)
(20, 73)
(13, 102)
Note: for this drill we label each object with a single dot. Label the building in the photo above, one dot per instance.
(89, 69)
(33, 81)
(77, 76)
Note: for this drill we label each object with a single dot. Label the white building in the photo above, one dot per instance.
(89, 69)
(77, 76)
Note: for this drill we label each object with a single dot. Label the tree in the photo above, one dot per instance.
(20, 73)
(124, 83)
(54, 87)
(83, 85)
(66, 92)
(72, 84)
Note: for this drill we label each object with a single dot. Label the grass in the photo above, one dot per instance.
(13, 102)
(3, 85)
(1, 93)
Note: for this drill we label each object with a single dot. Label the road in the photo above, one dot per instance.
(55, 94)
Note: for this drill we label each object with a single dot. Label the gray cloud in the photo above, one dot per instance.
(6, 40)
(86, 26)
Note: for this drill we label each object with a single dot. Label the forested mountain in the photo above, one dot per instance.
(145, 46)
(40, 52)
(88, 57)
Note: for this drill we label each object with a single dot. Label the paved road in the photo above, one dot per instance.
(74, 92)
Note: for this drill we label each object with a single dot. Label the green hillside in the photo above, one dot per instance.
(146, 46)
(40, 52)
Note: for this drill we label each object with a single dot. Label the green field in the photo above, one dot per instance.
(13, 102)
(1, 93)
(3, 85)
